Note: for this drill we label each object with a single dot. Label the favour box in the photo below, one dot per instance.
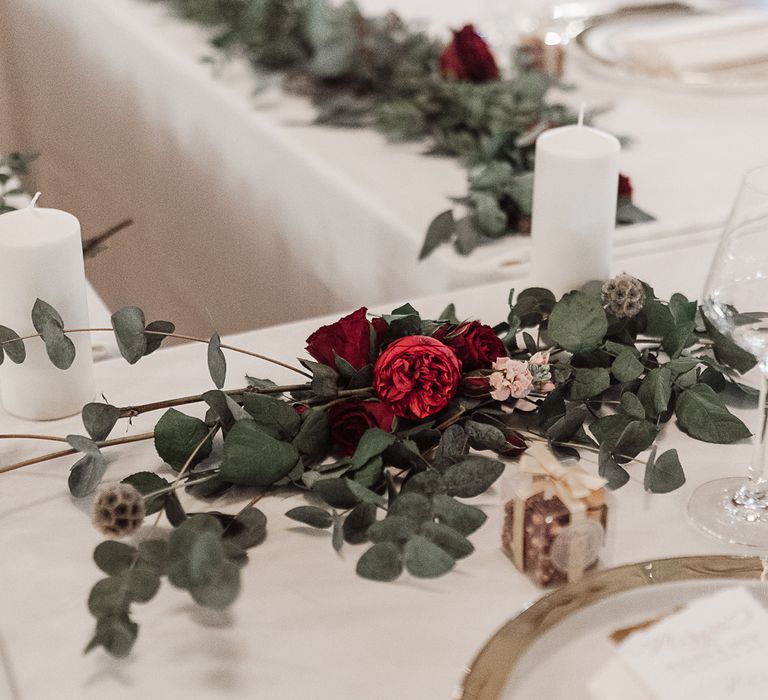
(554, 524)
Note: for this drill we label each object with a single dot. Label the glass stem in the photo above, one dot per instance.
(757, 477)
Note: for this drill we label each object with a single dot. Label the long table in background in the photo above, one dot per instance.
(305, 626)
(240, 197)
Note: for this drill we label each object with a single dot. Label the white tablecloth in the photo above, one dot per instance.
(235, 195)
(305, 625)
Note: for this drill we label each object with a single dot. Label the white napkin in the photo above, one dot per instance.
(736, 43)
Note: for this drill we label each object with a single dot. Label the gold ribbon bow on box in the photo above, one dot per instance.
(572, 484)
(568, 483)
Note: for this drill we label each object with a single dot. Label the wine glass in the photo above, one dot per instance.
(735, 301)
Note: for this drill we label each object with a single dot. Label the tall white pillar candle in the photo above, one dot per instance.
(575, 187)
(41, 257)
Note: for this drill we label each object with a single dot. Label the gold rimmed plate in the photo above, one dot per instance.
(556, 645)
(602, 43)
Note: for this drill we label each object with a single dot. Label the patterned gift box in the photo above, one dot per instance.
(548, 507)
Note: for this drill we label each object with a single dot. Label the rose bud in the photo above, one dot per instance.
(468, 57)
(475, 386)
(625, 187)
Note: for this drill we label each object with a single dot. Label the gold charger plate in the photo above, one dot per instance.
(491, 668)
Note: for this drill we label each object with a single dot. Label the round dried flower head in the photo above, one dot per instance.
(118, 510)
(623, 296)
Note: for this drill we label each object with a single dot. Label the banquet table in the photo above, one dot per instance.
(305, 625)
(233, 188)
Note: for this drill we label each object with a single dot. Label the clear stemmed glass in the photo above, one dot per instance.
(735, 300)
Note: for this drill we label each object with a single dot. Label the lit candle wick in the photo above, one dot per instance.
(31, 205)
(581, 118)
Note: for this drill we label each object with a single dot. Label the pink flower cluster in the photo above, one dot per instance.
(515, 379)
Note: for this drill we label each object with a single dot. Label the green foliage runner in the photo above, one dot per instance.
(615, 383)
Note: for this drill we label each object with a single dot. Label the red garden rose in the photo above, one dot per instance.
(417, 376)
(468, 57)
(348, 421)
(475, 344)
(625, 187)
(349, 338)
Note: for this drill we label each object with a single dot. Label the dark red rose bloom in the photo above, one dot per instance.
(474, 343)
(625, 187)
(348, 421)
(349, 338)
(468, 57)
(417, 376)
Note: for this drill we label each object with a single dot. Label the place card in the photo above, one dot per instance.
(713, 649)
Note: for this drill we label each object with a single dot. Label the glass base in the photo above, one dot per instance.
(724, 509)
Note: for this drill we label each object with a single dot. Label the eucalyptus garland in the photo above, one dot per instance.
(13, 166)
(379, 72)
(390, 426)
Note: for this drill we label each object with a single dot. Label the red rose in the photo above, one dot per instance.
(348, 421)
(468, 57)
(349, 338)
(417, 376)
(625, 187)
(475, 344)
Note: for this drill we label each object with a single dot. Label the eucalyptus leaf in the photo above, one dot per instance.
(128, 325)
(114, 557)
(356, 524)
(626, 367)
(146, 483)
(99, 419)
(472, 476)
(460, 516)
(423, 558)
(588, 382)
(11, 345)
(703, 415)
(277, 418)
(254, 458)
(664, 474)
(177, 437)
(610, 470)
(382, 562)
(440, 231)
(448, 539)
(578, 323)
(312, 516)
(217, 363)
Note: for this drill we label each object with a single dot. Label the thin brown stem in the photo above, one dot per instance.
(30, 436)
(452, 419)
(91, 244)
(64, 453)
(133, 411)
(214, 429)
(577, 445)
(179, 336)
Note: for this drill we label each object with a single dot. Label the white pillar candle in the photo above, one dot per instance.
(41, 257)
(575, 188)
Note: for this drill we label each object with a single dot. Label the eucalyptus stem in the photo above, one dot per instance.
(577, 445)
(214, 429)
(452, 418)
(174, 486)
(64, 453)
(133, 411)
(179, 336)
(30, 436)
